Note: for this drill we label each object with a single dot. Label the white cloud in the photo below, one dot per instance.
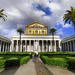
(67, 25)
(60, 32)
(13, 12)
(24, 12)
(54, 6)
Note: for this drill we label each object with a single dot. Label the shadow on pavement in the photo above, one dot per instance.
(9, 71)
(72, 70)
(40, 67)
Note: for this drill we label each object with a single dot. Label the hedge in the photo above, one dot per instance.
(12, 62)
(68, 63)
(71, 64)
(24, 60)
(2, 64)
(57, 53)
(8, 54)
(55, 61)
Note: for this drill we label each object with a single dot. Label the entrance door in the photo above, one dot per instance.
(36, 46)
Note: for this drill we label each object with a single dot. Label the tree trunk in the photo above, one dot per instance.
(20, 43)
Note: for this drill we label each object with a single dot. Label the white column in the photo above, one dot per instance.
(60, 46)
(55, 46)
(7, 47)
(68, 46)
(12, 45)
(21, 46)
(51, 46)
(17, 46)
(3, 47)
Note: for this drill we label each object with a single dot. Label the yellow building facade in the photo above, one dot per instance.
(36, 29)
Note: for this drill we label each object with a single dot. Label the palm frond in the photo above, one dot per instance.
(52, 31)
(68, 11)
(20, 30)
(66, 20)
(70, 16)
(2, 15)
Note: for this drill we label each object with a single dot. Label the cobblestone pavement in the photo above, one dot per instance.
(40, 67)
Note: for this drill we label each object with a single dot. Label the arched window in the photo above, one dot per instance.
(42, 32)
(36, 31)
(29, 32)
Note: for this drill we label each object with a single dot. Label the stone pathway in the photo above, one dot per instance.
(26, 69)
(36, 67)
(9, 71)
(40, 67)
(59, 71)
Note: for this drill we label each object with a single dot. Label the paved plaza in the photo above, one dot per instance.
(36, 67)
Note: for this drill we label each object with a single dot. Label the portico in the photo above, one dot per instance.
(68, 44)
(36, 43)
(5, 44)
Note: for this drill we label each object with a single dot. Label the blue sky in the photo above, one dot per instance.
(23, 12)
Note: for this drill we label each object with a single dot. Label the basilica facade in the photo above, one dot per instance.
(36, 38)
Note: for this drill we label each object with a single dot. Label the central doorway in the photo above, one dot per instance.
(36, 45)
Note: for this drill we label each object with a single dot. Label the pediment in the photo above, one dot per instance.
(36, 24)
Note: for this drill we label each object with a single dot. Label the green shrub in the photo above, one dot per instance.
(2, 64)
(12, 62)
(8, 59)
(62, 62)
(71, 64)
(57, 53)
(1, 58)
(24, 60)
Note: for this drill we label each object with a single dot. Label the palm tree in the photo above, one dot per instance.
(20, 31)
(70, 16)
(52, 31)
(2, 15)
